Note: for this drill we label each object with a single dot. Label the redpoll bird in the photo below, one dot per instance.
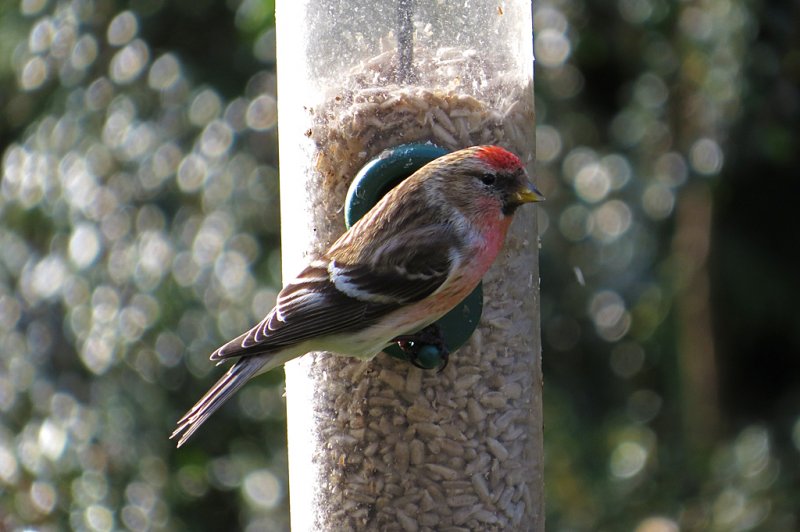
(414, 256)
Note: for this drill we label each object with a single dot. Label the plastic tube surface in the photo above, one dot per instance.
(382, 445)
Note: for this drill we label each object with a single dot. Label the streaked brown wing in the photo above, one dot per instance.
(304, 312)
(314, 306)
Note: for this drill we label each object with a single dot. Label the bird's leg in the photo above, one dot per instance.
(424, 347)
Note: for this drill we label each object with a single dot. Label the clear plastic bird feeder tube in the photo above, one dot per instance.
(383, 445)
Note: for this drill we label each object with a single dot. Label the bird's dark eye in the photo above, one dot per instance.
(488, 179)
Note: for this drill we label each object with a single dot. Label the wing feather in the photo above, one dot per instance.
(335, 297)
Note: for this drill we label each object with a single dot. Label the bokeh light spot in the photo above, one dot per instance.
(135, 518)
(607, 310)
(264, 47)
(236, 114)
(262, 488)
(262, 113)
(47, 277)
(657, 524)
(99, 94)
(205, 107)
(105, 304)
(122, 29)
(696, 22)
(611, 220)
(52, 440)
(671, 169)
(706, 156)
(98, 352)
(84, 52)
(729, 507)
(551, 47)
(548, 16)
(128, 63)
(9, 468)
(651, 91)
(566, 81)
(192, 172)
(629, 127)
(132, 323)
(99, 518)
(84, 245)
(548, 143)
(138, 143)
(154, 257)
(41, 36)
(34, 73)
(226, 472)
(32, 7)
(63, 40)
(618, 169)
(231, 271)
(592, 182)
(216, 139)
(164, 72)
(658, 201)
(211, 237)
(185, 270)
(166, 160)
(574, 222)
(752, 450)
(635, 11)
(192, 480)
(575, 160)
(628, 459)
(169, 349)
(43, 496)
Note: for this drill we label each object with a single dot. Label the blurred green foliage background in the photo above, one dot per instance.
(139, 228)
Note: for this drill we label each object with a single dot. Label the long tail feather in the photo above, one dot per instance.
(225, 387)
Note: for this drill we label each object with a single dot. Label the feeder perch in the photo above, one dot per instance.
(374, 180)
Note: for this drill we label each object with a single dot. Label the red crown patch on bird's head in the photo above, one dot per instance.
(499, 158)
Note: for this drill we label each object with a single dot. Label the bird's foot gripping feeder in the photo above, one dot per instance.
(425, 349)
(430, 347)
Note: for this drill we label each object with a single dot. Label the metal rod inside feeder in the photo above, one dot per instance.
(405, 41)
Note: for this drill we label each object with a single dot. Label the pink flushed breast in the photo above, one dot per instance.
(494, 237)
(476, 263)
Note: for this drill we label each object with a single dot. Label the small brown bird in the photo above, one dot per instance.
(414, 256)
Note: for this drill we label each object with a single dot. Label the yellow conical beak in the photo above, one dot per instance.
(528, 193)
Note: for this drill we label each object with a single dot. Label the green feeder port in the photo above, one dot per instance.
(374, 180)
